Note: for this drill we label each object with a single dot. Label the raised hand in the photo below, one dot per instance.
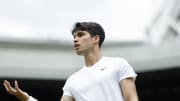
(16, 91)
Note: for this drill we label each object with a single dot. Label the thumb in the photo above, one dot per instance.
(17, 86)
(23, 96)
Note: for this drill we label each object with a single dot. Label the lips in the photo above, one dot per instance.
(76, 46)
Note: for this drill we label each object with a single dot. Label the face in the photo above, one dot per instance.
(83, 42)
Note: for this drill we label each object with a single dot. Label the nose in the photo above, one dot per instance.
(75, 40)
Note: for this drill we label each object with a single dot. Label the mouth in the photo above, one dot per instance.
(76, 46)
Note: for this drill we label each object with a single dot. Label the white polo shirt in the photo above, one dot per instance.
(99, 82)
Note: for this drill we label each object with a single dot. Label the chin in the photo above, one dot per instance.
(79, 53)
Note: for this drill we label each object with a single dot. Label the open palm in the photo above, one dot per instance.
(16, 91)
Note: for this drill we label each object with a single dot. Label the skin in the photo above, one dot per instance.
(86, 46)
(128, 88)
(16, 91)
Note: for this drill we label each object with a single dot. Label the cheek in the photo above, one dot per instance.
(86, 41)
(89, 41)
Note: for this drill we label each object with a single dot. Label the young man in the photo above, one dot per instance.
(100, 79)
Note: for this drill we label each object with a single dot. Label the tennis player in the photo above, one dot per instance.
(100, 79)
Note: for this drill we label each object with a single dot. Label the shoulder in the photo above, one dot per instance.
(116, 62)
(75, 75)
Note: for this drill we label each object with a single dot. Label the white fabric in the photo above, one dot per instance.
(99, 82)
(32, 99)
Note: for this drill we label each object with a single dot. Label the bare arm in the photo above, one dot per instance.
(67, 98)
(16, 91)
(128, 88)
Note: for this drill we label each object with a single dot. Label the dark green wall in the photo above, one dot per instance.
(159, 85)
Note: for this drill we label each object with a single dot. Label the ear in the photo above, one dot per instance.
(96, 39)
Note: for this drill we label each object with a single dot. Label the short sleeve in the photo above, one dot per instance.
(32, 99)
(67, 89)
(125, 70)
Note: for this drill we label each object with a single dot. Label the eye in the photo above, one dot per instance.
(80, 34)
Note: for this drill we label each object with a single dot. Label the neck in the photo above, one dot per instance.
(92, 58)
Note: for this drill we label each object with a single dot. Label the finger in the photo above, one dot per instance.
(9, 87)
(5, 85)
(17, 86)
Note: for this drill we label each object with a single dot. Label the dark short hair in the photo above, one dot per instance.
(91, 27)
